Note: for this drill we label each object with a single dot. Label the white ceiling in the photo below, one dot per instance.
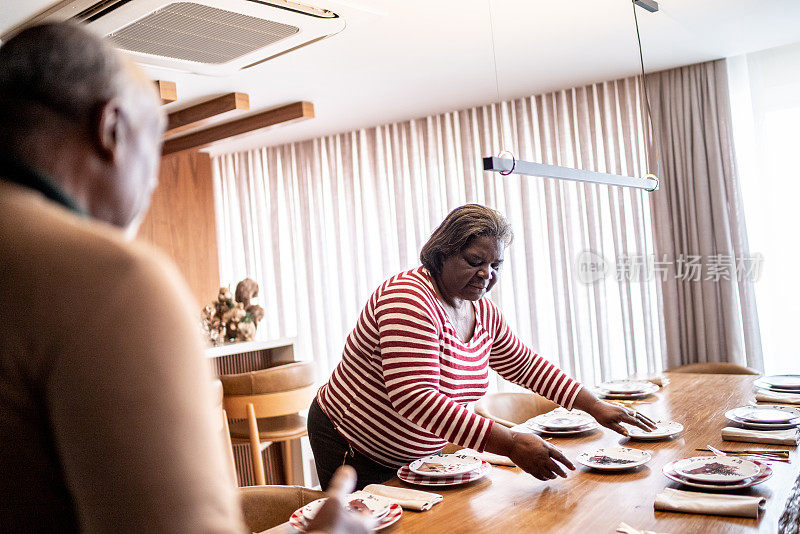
(430, 56)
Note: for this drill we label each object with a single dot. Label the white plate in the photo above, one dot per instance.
(368, 504)
(641, 394)
(625, 386)
(759, 426)
(299, 522)
(764, 474)
(766, 414)
(664, 429)
(445, 465)
(614, 458)
(783, 381)
(359, 502)
(763, 384)
(563, 420)
(719, 469)
(406, 475)
(530, 425)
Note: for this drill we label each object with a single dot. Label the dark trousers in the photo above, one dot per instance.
(331, 451)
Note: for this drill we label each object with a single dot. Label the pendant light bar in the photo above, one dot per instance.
(528, 168)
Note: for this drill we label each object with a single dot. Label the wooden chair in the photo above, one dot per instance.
(263, 507)
(714, 368)
(225, 430)
(511, 409)
(264, 404)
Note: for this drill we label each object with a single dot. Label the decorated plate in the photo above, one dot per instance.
(766, 414)
(531, 426)
(765, 472)
(716, 469)
(760, 426)
(761, 383)
(664, 429)
(360, 502)
(783, 381)
(299, 521)
(407, 475)
(614, 458)
(563, 420)
(445, 465)
(625, 386)
(637, 395)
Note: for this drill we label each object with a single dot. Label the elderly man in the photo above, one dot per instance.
(104, 424)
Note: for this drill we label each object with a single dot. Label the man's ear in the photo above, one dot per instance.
(108, 130)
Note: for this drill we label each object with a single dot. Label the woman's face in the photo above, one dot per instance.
(471, 273)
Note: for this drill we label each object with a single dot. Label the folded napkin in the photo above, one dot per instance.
(659, 380)
(407, 498)
(492, 458)
(775, 437)
(695, 502)
(625, 528)
(776, 396)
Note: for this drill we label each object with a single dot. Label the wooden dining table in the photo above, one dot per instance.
(588, 501)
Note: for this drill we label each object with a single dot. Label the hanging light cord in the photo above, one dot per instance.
(497, 85)
(646, 98)
(494, 53)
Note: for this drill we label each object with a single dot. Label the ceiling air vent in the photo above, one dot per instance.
(194, 32)
(215, 37)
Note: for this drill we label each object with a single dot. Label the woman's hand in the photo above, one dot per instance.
(608, 415)
(537, 457)
(332, 518)
(611, 416)
(528, 451)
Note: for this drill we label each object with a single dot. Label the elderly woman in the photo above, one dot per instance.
(421, 350)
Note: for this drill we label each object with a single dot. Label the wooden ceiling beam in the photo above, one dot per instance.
(167, 91)
(194, 116)
(236, 128)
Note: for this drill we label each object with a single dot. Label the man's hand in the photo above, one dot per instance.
(332, 518)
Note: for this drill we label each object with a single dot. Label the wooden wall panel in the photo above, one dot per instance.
(181, 221)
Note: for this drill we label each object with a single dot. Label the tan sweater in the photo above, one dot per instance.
(106, 415)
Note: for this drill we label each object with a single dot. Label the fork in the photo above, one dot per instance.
(718, 452)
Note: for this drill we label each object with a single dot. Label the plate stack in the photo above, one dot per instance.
(764, 417)
(378, 512)
(779, 383)
(562, 422)
(717, 472)
(443, 470)
(625, 389)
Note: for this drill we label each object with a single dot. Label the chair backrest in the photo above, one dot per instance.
(714, 368)
(265, 507)
(280, 390)
(224, 430)
(511, 409)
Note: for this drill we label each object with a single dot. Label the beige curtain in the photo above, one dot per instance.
(708, 314)
(320, 224)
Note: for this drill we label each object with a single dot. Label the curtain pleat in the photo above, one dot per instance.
(700, 216)
(321, 223)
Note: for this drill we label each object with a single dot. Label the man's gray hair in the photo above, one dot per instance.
(62, 67)
(456, 231)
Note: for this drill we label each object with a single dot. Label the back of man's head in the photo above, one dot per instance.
(76, 111)
(62, 67)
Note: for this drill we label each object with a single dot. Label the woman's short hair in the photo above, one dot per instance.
(457, 230)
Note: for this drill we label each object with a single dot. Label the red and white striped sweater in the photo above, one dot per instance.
(399, 392)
